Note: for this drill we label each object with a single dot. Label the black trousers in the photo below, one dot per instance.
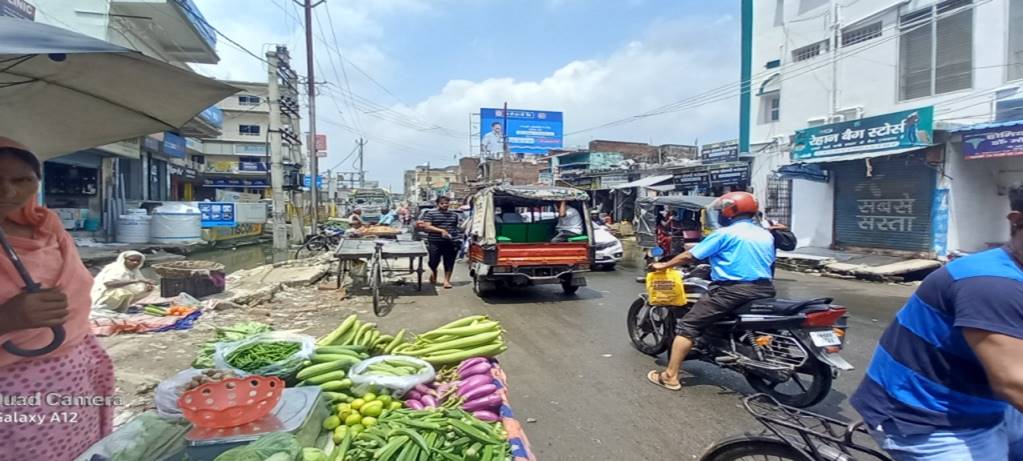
(446, 250)
(721, 300)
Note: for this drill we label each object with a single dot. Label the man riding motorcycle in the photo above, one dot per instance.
(741, 254)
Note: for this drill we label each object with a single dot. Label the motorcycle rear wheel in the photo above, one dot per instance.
(796, 393)
(754, 449)
(651, 329)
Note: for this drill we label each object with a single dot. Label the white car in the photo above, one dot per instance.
(608, 249)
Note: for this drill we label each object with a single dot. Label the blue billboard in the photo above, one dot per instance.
(528, 131)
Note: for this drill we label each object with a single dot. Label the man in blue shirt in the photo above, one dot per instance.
(946, 380)
(741, 254)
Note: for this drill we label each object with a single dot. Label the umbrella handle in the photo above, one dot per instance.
(58, 339)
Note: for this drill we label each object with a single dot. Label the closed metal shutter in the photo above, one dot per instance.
(890, 209)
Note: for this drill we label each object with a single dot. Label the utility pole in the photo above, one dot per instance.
(280, 226)
(314, 201)
(504, 155)
(362, 171)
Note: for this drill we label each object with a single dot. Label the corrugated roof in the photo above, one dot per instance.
(645, 182)
(984, 126)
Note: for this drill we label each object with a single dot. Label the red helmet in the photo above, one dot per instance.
(734, 204)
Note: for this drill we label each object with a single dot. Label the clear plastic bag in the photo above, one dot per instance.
(395, 385)
(170, 389)
(145, 437)
(284, 368)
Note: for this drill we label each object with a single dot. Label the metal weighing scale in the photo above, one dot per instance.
(300, 412)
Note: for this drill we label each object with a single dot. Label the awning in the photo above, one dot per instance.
(645, 182)
(663, 188)
(803, 171)
(859, 155)
(984, 126)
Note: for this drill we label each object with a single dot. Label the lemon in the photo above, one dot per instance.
(373, 408)
(357, 429)
(369, 421)
(386, 399)
(339, 433)
(353, 419)
(394, 405)
(358, 403)
(369, 397)
(331, 423)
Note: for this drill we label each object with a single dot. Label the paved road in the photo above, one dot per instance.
(572, 369)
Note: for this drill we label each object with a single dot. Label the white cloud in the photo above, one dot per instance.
(673, 60)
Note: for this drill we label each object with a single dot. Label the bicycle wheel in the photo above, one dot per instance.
(376, 279)
(753, 449)
(314, 246)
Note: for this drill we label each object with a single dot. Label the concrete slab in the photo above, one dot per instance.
(903, 267)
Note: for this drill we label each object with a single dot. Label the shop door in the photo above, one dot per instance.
(890, 208)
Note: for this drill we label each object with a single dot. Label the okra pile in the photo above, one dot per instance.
(440, 434)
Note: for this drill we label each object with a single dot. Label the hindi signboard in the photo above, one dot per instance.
(720, 152)
(993, 142)
(898, 130)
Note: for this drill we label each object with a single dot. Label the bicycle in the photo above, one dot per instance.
(375, 274)
(793, 434)
(323, 241)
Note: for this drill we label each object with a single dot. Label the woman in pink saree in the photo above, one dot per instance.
(57, 405)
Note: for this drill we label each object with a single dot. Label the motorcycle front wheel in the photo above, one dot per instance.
(805, 388)
(753, 449)
(651, 328)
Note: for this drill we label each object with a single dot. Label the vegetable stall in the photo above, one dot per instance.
(354, 394)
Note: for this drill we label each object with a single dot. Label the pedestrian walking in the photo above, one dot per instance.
(444, 230)
(946, 381)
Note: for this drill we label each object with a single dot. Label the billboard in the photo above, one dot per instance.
(721, 152)
(897, 130)
(528, 131)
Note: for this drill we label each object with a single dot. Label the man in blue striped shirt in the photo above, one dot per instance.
(946, 380)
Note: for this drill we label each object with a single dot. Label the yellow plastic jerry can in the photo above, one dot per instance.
(665, 288)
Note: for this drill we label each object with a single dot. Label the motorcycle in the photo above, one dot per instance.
(788, 349)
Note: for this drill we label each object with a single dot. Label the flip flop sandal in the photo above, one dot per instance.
(656, 378)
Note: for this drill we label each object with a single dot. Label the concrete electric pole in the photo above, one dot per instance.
(362, 171)
(280, 226)
(314, 200)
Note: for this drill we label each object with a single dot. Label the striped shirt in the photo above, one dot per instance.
(924, 377)
(447, 220)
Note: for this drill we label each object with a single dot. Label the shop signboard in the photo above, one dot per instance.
(182, 171)
(898, 130)
(610, 181)
(174, 145)
(527, 131)
(720, 152)
(254, 183)
(993, 142)
(690, 180)
(217, 214)
(20, 9)
(306, 182)
(734, 175)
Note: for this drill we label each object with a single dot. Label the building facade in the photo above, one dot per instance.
(238, 158)
(858, 111)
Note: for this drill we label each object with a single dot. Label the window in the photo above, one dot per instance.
(248, 130)
(770, 108)
(861, 34)
(810, 51)
(1015, 39)
(248, 100)
(936, 49)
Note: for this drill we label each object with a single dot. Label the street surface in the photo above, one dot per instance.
(572, 369)
(577, 385)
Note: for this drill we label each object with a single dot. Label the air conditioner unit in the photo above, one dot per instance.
(817, 121)
(848, 113)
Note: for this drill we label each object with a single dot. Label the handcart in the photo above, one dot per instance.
(374, 252)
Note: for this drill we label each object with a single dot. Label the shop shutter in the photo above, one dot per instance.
(890, 209)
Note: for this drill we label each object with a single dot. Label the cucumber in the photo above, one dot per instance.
(332, 376)
(341, 329)
(332, 350)
(336, 386)
(346, 360)
(319, 369)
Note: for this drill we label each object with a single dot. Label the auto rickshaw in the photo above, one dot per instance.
(693, 218)
(510, 239)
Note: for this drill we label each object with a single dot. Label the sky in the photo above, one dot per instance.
(406, 74)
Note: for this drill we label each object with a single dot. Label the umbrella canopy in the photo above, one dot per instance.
(62, 91)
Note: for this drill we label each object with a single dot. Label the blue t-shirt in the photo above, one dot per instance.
(741, 252)
(924, 377)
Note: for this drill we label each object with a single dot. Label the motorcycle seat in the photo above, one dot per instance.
(774, 306)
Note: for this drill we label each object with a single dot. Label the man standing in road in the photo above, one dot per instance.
(443, 227)
(741, 254)
(493, 142)
(570, 223)
(946, 380)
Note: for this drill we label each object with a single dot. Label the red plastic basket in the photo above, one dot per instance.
(231, 402)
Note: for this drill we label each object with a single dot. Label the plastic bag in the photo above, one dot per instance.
(279, 444)
(395, 385)
(284, 368)
(170, 389)
(145, 437)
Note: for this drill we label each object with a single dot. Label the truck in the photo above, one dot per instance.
(371, 201)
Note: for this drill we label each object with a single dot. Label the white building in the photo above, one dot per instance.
(826, 64)
(238, 159)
